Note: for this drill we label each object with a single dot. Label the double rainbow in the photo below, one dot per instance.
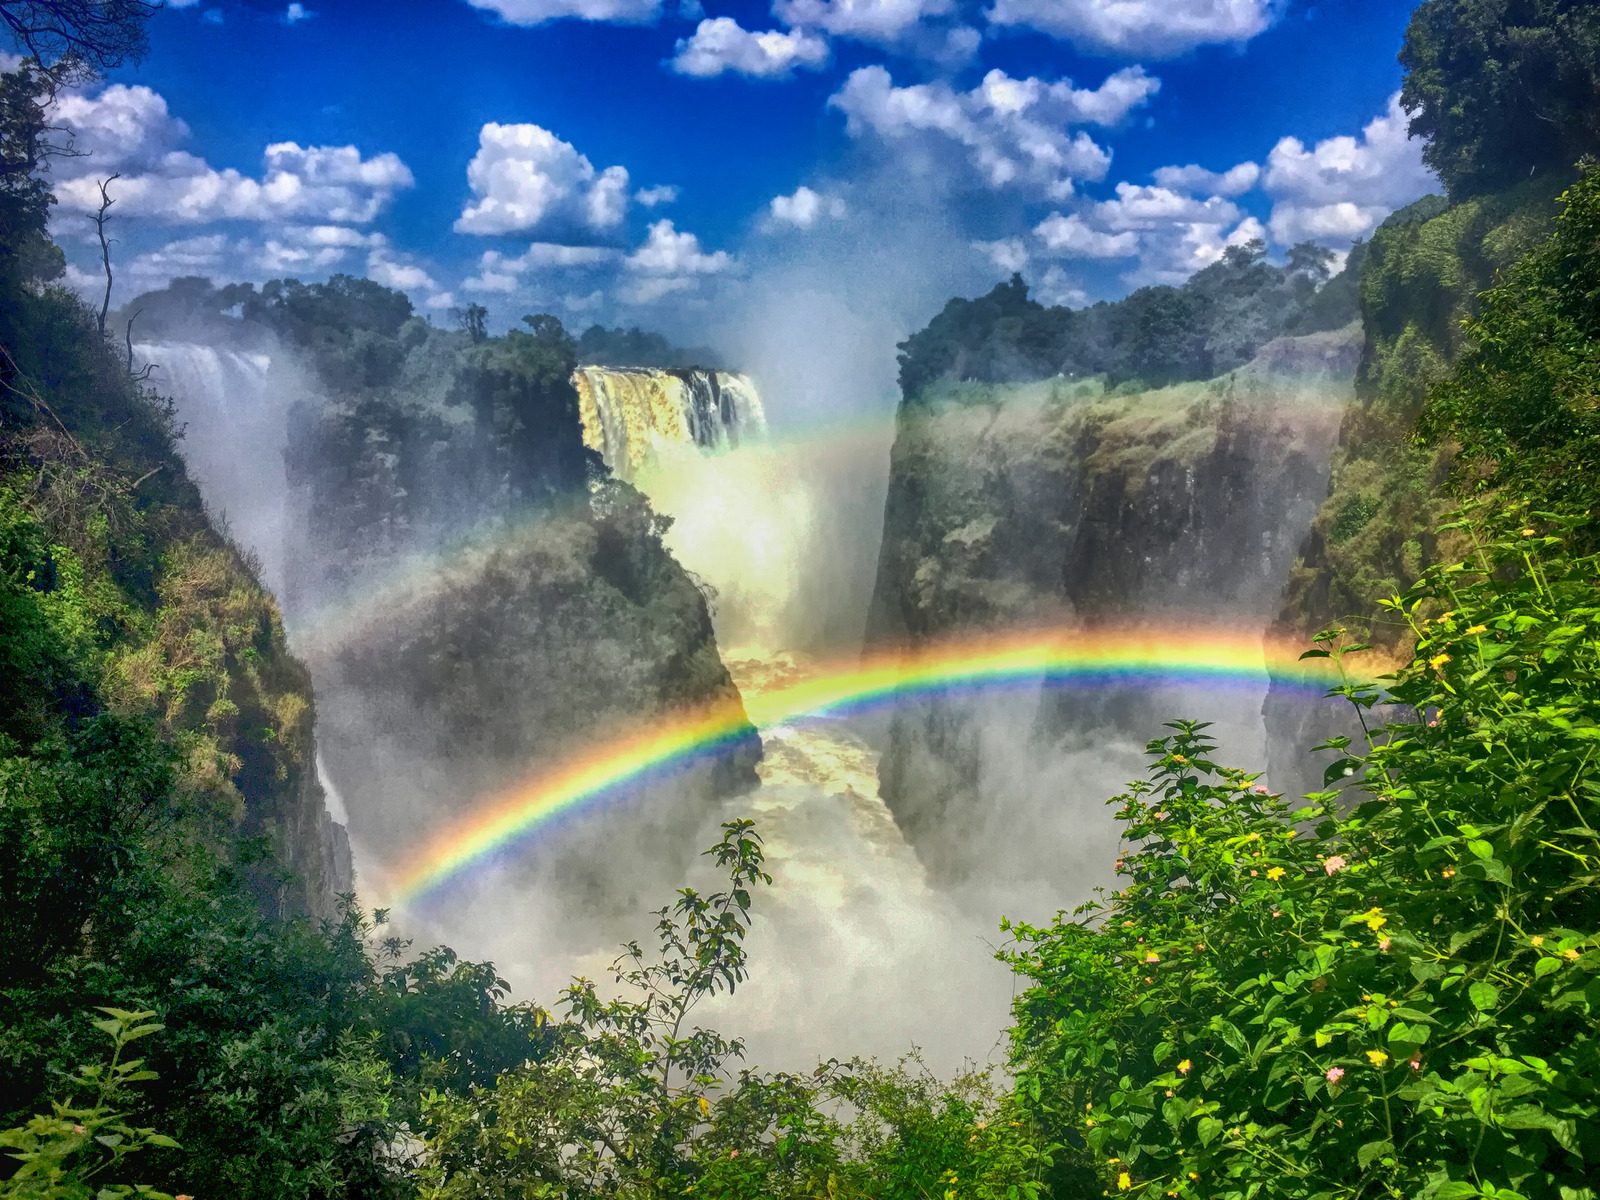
(1050, 658)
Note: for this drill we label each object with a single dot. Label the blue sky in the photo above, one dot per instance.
(683, 167)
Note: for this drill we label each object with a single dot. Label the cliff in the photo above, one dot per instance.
(1056, 503)
(1375, 530)
(164, 620)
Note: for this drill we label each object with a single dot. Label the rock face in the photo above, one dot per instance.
(1374, 531)
(470, 626)
(1054, 504)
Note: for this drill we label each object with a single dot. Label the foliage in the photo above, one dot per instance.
(1390, 992)
(1502, 89)
(1420, 279)
(74, 1151)
(1523, 401)
(75, 40)
(633, 1101)
(635, 347)
(1211, 324)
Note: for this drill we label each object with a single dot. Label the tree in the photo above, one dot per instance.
(73, 41)
(1502, 89)
(474, 318)
(1521, 400)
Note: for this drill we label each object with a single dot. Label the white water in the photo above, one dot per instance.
(233, 408)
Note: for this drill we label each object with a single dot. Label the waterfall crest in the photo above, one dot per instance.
(631, 414)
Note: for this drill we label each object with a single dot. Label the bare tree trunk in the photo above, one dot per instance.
(105, 246)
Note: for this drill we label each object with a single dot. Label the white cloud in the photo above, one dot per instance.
(650, 197)
(385, 267)
(804, 208)
(667, 251)
(1235, 181)
(440, 300)
(1058, 288)
(129, 130)
(669, 261)
(537, 12)
(1008, 254)
(1141, 27)
(722, 44)
(1341, 188)
(1015, 131)
(523, 177)
(926, 28)
(296, 13)
(498, 272)
(1139, 207)
(1072, 237)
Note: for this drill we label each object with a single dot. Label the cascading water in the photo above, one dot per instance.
(232, 405)
(850, 913)
(631, 414)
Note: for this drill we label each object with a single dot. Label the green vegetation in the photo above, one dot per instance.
(1523, 401)
(1502, 89)
(635, 347)
(1154, 337)
(1390, 996)
(1388, 991)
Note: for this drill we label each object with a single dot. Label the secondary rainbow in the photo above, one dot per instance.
(1051, 658)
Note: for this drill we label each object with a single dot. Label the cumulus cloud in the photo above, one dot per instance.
(537, 12)
(926, 28)
(1235, 181)
(1014, 132)
(1168, 234)
(296, 13)
(722, 44)
(804, 208)
(1141, 27)
(650, 197)
(1007, 254)
(130, 130)
(1341, 188)
(396, 271)
(525, 178)
(1072, 237)
(1056, 287)
(669, 261)
(1140, 207)
(503, 273)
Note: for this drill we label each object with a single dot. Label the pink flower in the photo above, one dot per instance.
(1261, 789)
(1334, 865)
(1160, 816)
(1334, 1074)
(1383, 943)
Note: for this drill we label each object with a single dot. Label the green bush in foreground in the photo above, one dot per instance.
(1395, 998)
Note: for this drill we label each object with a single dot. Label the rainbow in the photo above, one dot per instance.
(501, 823)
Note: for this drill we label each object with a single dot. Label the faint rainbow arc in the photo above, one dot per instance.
(1183, 657)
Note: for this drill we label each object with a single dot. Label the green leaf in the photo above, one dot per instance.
(1372, 1150)
(1484, 996)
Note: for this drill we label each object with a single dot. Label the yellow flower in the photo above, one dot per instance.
(1375, 919)
(1537, 939)
(1438, 660)
(1527, 533)
(1473, 630)
(1124, 1181)
(1377, 1057)
(1569, 953)
(1185, 1067)
(705, 1107)
(1274, 872)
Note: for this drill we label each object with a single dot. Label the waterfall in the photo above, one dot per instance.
(233, 408)
(631, 414)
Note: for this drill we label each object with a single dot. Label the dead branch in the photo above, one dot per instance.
(105, 246)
